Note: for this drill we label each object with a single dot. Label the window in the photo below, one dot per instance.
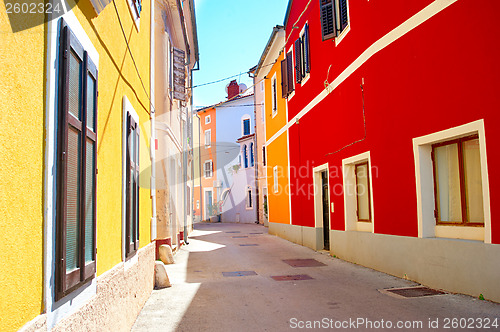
(362, 192)
(132, 143)
(249, 198)
(287, 75)
(246, 127)
(135, 7)
(275, 179)
(334, 17)
(274, 97)
(207, 119)
(263, 111)
(245, 156)
(209, 168)
(208, 138)
(77, 164)
(458, 182)
(264, 156)
(251, 155)
(358, 192)
(302, 60)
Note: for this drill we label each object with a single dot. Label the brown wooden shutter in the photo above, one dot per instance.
(76, 181)
(343, 18)
(284, 79)
(132, 187)
(289, 71)
(298, 60)
(307, 60)
(327, 13)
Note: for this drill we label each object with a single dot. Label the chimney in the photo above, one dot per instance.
(233, 89)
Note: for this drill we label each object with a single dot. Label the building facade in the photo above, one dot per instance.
(391, 138)
(221, 155)
(79, 200)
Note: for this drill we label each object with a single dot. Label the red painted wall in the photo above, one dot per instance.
(442, 74)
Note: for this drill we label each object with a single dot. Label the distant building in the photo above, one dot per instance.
(219, 156)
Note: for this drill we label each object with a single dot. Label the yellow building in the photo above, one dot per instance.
(77, 205)
(276, 159)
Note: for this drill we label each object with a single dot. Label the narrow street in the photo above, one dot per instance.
(205, 297)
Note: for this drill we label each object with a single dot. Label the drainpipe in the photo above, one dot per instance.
(255, 157)
(192, 145)
(199, 167)
(153, 126)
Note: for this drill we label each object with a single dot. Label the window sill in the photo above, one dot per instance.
(305, 79)
(460, 232)
(364, 226)
(342, 35)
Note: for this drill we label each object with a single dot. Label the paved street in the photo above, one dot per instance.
(336, 293)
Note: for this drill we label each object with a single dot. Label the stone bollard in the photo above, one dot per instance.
(165, 253)
(161, 277)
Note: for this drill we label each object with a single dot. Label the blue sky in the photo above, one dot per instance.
(231, 37)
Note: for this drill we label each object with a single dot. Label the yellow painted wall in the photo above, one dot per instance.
(21, 173)
(22, 114)
(118, 77)
(277, 151)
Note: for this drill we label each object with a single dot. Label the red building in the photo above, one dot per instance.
(392, 108)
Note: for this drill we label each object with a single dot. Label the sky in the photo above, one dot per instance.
(232, 35)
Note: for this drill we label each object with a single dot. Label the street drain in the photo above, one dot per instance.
(233, 232)
(303, 262)
(239, 273)
(240, 237)
(411, 292)
(248, 245)
(292, 277)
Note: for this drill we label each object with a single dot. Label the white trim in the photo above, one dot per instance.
(425, 186)
(247, 206)
(209, 132)
(344, 32)
(308, 75)
(136, 18)
(274, 96)
(350, 199)
(204, 212)
(275, 180)
(76, 299)
(127, 108)
(211, 167)
(243, 118)
(422, 16)
(318, 192)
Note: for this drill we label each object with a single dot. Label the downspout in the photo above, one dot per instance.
(192, 145)
(153, 126)
(256, 158)
(199, 166)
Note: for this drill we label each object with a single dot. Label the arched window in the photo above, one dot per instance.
(251, 154)
(245, 156)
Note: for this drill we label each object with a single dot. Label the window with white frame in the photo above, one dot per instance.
(334, 18)
(251, 155)
(135, 7)
(264, 156)
(245, 126)
(275, 179)
(358, 194)
(208, 138)
(302, 58)
(245, 156)
(274, 101)
(208, 119)
(208, 168)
